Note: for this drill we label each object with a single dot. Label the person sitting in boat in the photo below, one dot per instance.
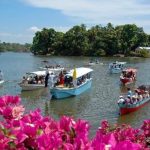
(134, 99)
(140, 97)
(128, 100)
(146, 94)
(121, 100)
(24, 80)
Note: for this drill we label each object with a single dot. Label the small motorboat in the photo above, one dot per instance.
(131, 103)
(73, 83)
(116, 67)
(128, 76)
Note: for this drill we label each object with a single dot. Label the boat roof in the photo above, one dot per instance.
(39, 73)
(118, 62)
(130, 69)
(80, 71)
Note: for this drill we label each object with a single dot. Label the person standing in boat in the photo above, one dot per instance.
(61, 78)
(46, 78)
(129, 92)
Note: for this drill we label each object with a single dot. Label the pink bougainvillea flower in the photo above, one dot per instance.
(7, 112)
(21, 137)
(17, 111)
(50, 141)
(66, 123)
(127, 145)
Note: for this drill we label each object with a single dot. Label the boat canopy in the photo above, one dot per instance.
(38, 73)
(79, 72)
(130, 69)
(118, 63)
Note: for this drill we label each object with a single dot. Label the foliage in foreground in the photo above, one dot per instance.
(33, 131)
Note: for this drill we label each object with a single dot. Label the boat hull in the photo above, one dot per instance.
(30, 87)
(126, 110)
(60, 93)
(117, 70)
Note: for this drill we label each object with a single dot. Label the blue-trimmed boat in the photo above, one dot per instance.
(116, 67)
(81, 81)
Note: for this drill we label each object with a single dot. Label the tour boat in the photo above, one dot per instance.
(81, 81)
(29, 83)
(128, 76)
(126, 108)
(116, 67)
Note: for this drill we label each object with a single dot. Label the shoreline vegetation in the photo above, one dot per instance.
(97, 41)
(15, 47)
(122, 40)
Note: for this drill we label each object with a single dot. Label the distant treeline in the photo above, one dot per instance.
(96, 41)
(14, 47)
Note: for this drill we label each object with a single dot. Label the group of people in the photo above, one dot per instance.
(64, 80)
(52, 67)
(33, 79)
(129, 74)
(133, 98)
(115, 65)
(67, 81)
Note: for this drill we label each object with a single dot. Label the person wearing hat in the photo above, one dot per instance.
(134, 99)
(121, 100)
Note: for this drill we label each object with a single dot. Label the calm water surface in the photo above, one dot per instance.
(96, 104)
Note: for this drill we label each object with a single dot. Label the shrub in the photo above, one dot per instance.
(19, 131)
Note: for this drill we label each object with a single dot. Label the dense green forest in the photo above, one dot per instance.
(14, 47)
(96, 41)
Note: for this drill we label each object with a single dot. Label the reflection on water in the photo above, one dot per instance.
(35, 94)
(96, 104)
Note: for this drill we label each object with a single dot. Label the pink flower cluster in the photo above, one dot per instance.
(19, 131)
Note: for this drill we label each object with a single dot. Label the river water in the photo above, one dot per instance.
(98, 103)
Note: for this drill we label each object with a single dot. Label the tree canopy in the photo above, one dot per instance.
(96, 41)
(14, 47)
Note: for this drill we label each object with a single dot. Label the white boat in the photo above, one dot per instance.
(1, 82)
(116, 67)
(56, 68)
(33, 80)
(81, 81)
(1, 78)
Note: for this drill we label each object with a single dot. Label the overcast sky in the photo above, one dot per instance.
(20, 19)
